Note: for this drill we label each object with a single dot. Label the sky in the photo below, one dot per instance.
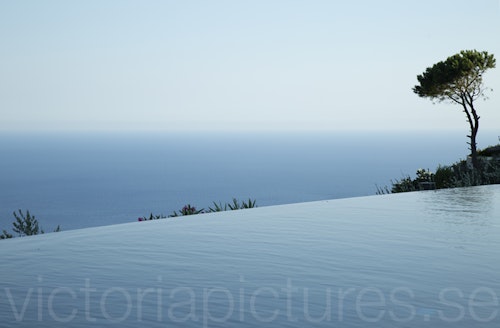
(224, 65)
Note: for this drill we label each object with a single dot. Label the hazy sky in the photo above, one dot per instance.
(235, 64)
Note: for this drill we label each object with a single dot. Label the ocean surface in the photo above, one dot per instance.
(79, 180)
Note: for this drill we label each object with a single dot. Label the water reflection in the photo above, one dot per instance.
(461, 215)
(472, 202)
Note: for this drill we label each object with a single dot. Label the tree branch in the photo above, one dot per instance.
(466, 111)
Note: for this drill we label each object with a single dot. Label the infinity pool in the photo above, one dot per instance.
(423, 259)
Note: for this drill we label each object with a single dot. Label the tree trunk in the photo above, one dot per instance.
(473, 120)
(473, 148)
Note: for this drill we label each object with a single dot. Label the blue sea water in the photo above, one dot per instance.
(79, 180)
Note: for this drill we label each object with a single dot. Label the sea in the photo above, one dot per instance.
(78, 180)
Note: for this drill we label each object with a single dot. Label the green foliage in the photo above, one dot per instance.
(382, 190)
(424, 180)
(249, 204)
(6, 235)
(487, 173)
(492, 151)
(187, 210)
(443, 177)
(217, 207)
(237, 206)
(405, 184)
(459, 76)
(151, 217)
(456, 175)
(25, 225)
(424, 176)
(458, 79)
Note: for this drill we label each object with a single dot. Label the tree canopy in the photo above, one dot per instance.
(458, 79)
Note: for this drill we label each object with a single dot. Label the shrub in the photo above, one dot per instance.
(187, 210)
(25, 225)
(218, 207)
(424, 176)
(443, 177)
(405, 184)
(151, 217)
(459, 174)
(235, 205)
(6, 235)
(191, 210)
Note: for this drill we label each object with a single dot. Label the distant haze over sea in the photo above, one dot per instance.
(83, 180)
